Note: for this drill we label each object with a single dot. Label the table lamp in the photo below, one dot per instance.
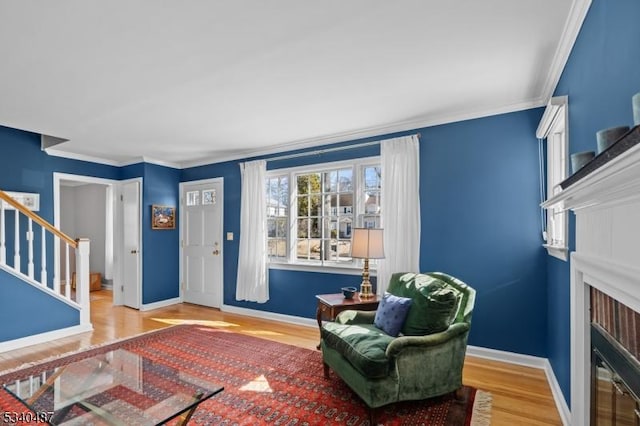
(366, 244)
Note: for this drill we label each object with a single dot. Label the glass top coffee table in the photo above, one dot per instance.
(112, 388)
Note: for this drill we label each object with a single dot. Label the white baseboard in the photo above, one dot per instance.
(269, 315)
(43, 337)
(558, 397)
(509, 357)
(160, 304)
(533, 362)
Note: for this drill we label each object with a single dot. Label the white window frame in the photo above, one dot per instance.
(292, 262)
(554, 127)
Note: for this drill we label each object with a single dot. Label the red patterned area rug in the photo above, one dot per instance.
(270, 383)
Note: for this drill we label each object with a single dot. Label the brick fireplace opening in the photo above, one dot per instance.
(615, 362)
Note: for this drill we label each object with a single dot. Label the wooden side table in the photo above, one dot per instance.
(330, 305)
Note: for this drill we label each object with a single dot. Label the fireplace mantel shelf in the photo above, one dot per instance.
(615, 180)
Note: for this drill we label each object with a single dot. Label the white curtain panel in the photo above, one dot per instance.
(400, 158)
(252, 281)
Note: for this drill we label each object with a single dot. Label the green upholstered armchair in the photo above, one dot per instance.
(416, 365)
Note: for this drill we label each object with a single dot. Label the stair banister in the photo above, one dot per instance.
(81, 247)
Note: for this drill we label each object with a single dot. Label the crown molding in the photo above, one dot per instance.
(81, 157)
(573, 24)
(150, 160)
(375, 131)
(107, 162)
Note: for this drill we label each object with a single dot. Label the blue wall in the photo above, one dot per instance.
(160, 248)
(25, 167)
(480, 222)
(27, 310)
(602, 74)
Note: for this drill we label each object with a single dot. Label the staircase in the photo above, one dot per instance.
(54, 310)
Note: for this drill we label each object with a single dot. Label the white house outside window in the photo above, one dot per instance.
(554, 128)
(312, 210)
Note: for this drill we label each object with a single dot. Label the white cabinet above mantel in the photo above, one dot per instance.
(614, 182)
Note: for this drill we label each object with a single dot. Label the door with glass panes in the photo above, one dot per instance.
(202, 266)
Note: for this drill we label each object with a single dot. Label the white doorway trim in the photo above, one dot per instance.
(116, 215)
(57, 184)
(219, 180)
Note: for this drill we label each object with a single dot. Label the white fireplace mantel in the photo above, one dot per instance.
(606, 203)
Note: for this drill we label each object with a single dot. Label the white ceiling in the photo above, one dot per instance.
(199, 81)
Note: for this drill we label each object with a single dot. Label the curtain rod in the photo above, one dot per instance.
(324, 151)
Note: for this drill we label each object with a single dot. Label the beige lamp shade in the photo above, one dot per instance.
(367, 243)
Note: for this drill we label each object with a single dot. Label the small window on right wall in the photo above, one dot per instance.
(553, 132)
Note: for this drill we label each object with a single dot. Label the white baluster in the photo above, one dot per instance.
(56, 268)
(82, 281)
(30, 241)
(30, 385)
(18, 388)
(67, 288)
(16, 248)
(43, 261)
(3, 248)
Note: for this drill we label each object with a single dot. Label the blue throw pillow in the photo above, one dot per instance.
(391, 313)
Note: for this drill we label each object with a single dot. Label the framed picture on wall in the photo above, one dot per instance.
(163, 217)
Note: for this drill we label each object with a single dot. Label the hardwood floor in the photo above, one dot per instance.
(521, 395)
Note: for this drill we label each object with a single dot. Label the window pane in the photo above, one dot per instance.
(193, 198)
(344, 249)
(302, 249)
(345, 228)
(372, 177)
(314, 249)
(315, 184)
(303, 206)
(271, 228)
(372, 202)
(370, 221)
(272, 248)
(281, 227)
(315, 204)
(316, 230)
(282, 247)
(345, 180)
(284, 191)
(303, 228)
(303, 184)
(277, 191)
(309, 183)
(208, 197)
(333, 182)
(346, 204)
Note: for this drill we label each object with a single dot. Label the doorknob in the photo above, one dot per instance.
(134, 251)
(216, 252)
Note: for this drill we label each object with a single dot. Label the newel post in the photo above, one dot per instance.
(82, 280)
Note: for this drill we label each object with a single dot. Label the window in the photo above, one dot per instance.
(277, 216)
(326, 202)
(554, 128)
(208, 197)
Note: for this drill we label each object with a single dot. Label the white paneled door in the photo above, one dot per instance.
(202, 242)
(131, 239)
